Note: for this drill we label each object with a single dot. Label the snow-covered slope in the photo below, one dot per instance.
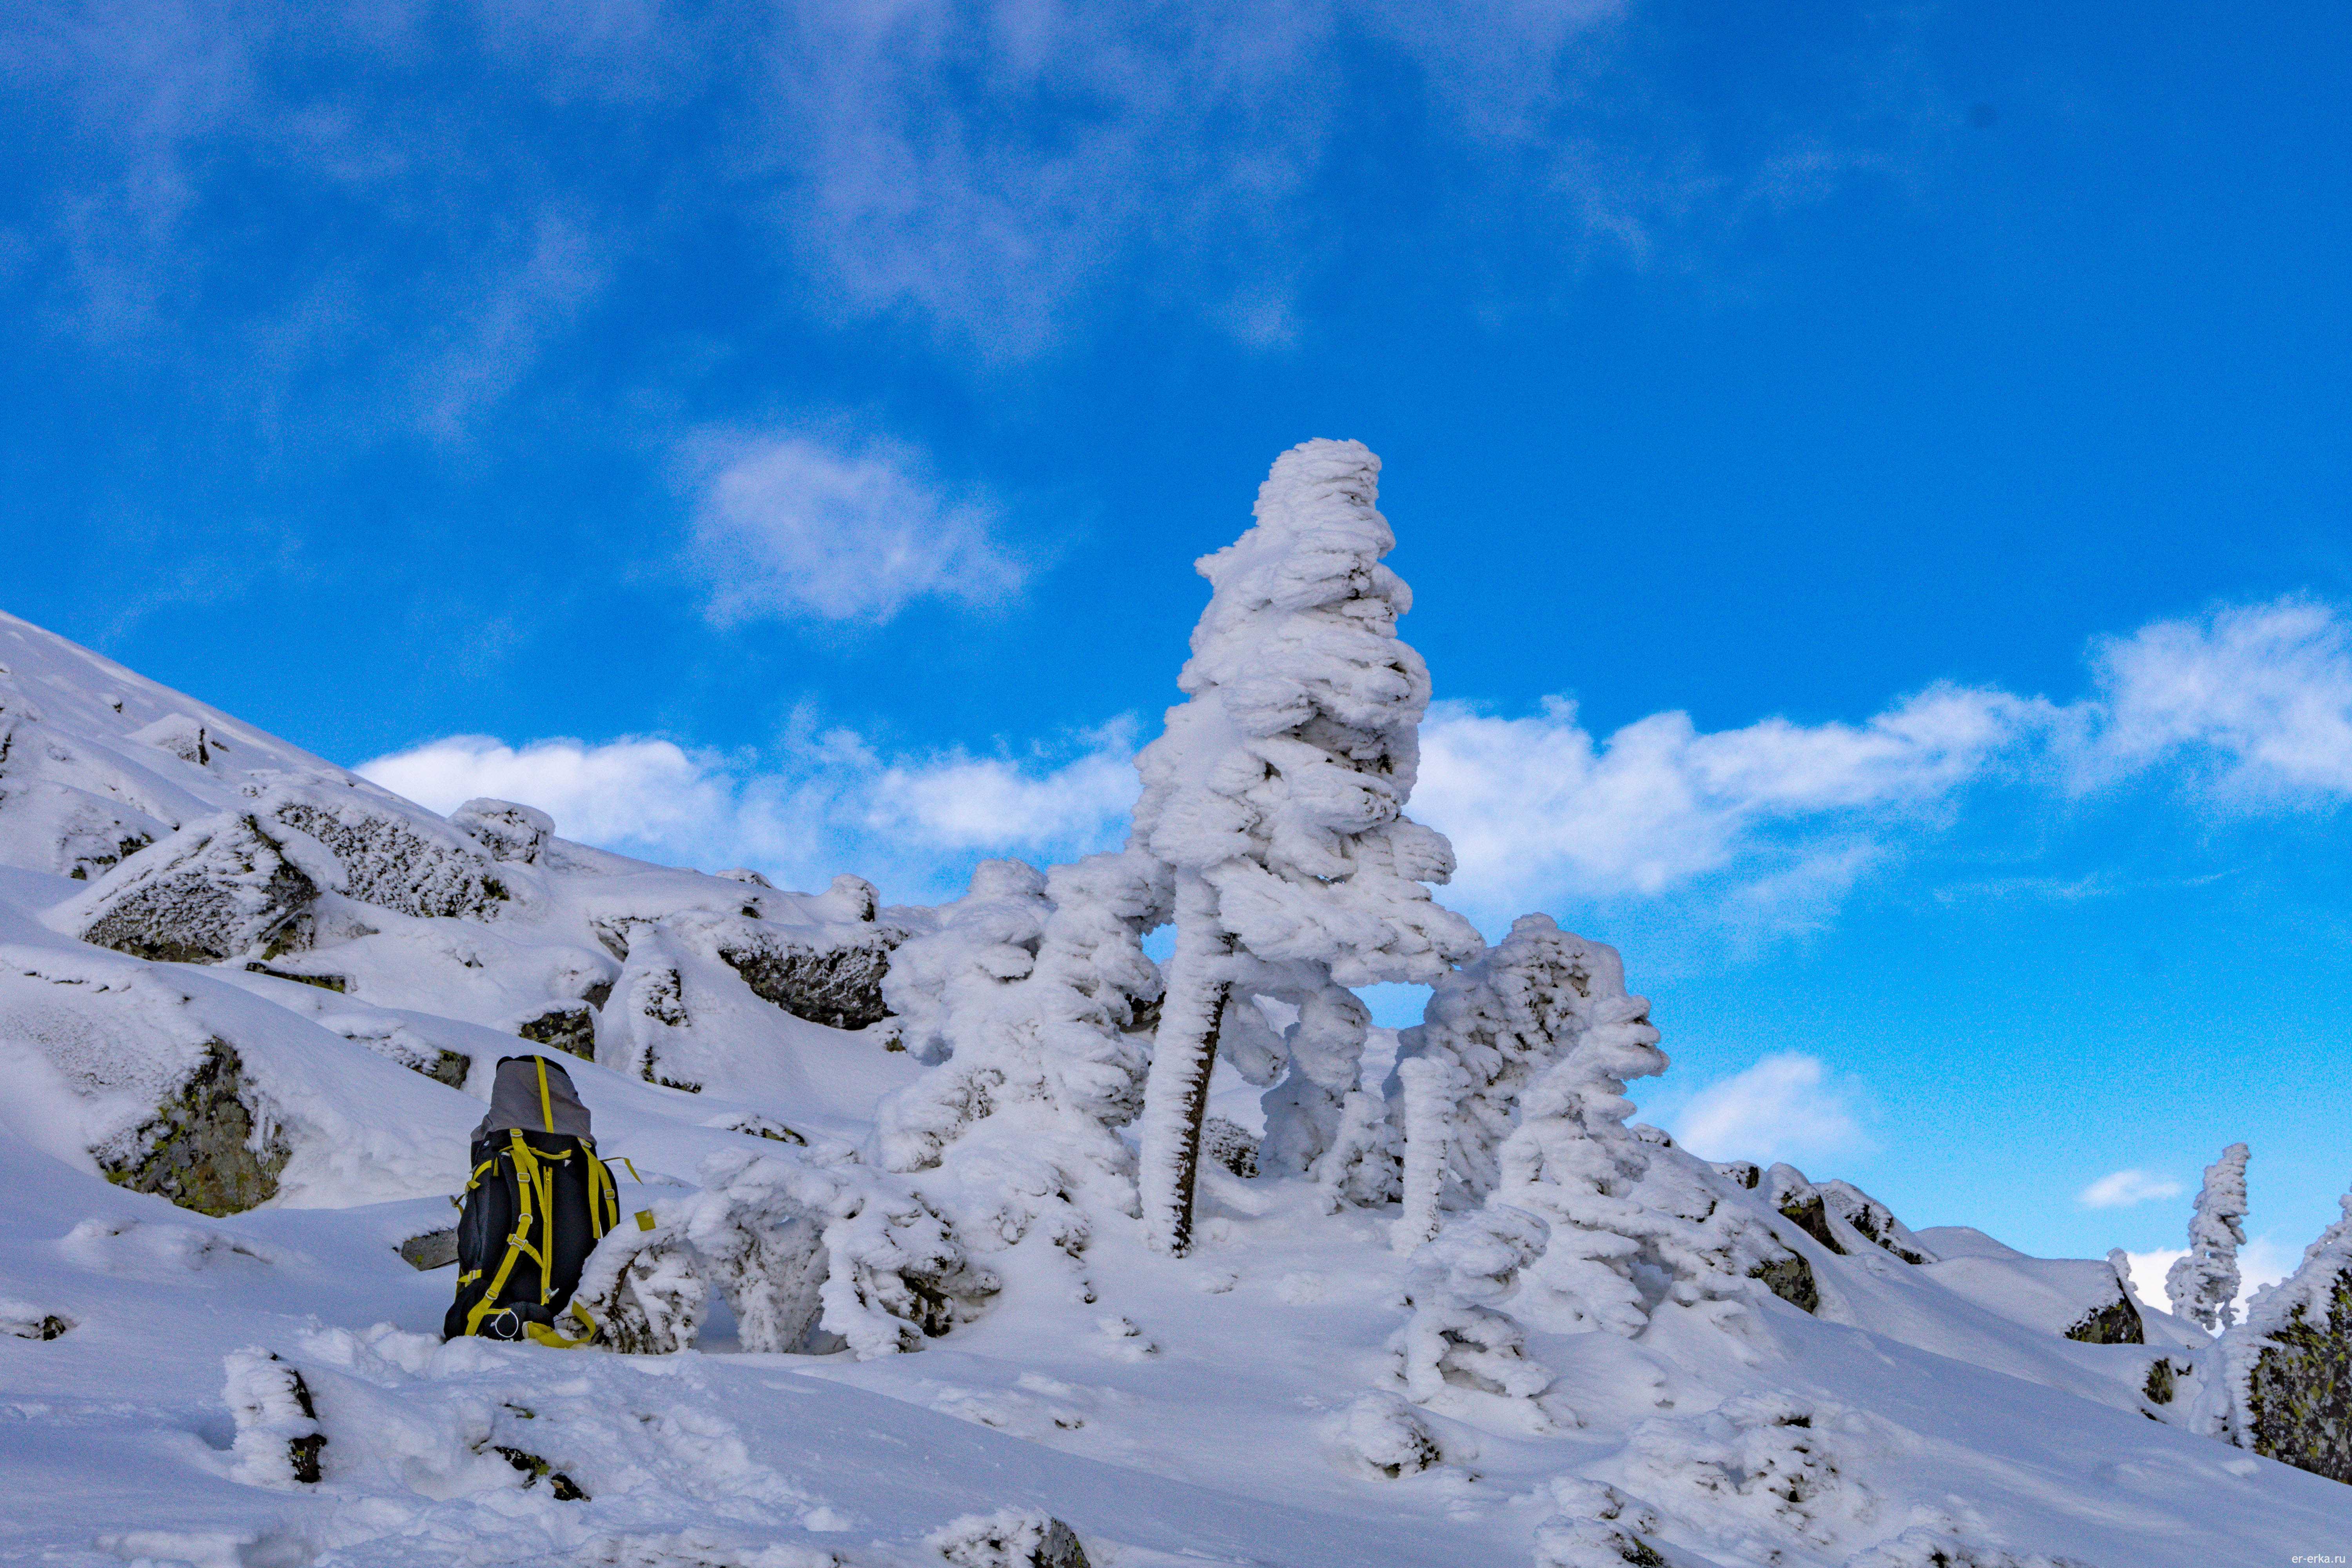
(235, 977)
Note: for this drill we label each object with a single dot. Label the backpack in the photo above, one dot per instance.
(535, 1206)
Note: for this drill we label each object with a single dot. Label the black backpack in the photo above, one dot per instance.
(536, 1204)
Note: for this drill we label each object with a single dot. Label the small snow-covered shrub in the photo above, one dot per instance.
(1595, 1526)
(765, 1253)
(1488, 1029)
(1769, 1461)
(1382, 1435)
(2202, 1283)
(1457, 1338)
(644, 1289)
(1029, 996)
(279, 1439)
(1011, 1538)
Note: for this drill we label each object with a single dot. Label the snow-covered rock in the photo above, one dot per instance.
(2282, 1387)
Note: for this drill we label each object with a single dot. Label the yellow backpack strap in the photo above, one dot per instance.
(546, 1106)
(518, 1242)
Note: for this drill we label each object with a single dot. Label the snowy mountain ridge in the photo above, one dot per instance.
(907, 1292)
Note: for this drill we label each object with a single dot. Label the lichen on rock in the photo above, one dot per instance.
(571, 1030)
(204, 1148)
(1790, 1277)
(2115, 1323)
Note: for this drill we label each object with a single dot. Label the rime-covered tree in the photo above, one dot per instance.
(1276, 796)
(1488, 1029)
(2203, 1283)
(1031, 997)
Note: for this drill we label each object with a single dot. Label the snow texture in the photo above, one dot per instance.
(2204, 1282)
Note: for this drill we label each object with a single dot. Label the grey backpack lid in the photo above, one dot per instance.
(516, 1101)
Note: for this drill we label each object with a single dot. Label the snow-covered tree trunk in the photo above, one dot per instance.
(2203, 1284)
(1277, 795)
(1176, 1095)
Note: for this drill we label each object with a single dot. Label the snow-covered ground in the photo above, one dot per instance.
(1258, 1400)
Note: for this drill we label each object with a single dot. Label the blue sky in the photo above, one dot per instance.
(1874, 480)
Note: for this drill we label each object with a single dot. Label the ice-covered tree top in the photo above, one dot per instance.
(2203, 1283)
(1283, 779)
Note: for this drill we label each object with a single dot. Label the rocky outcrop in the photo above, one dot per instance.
(392, 862)
(571, 1030)
(508, 831)
(204, 1149)
(434, 1249)
(1801, 1204)
(203, 895)
(1874, 1220)
(2299, 1393)
(23, 1321)
(2116, 1323)
(1014, 1538)
(1790, 1277)
(840, 986)
(278, 1438)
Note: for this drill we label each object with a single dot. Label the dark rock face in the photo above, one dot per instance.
(1742, 1172)
(1810, 1215)
(210, 901)
(1790, 1277)
(571, 1029)
(2116, 1323)
(434, 1249)
(2161, 1380)
(197, 1150)
(840, 987)
(2299, 1396)
(1229, 1144)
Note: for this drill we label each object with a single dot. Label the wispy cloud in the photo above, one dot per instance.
(826, 802)
(791, 526)
(1783, 1108)
(2123, 1189)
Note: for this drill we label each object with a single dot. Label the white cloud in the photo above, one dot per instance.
(2258, 697)
(2252, 704)
(2261, 1262)
(1779, 1109)
(791, 526)
(1536, 805)
(2122, 1189)
(825, 804)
